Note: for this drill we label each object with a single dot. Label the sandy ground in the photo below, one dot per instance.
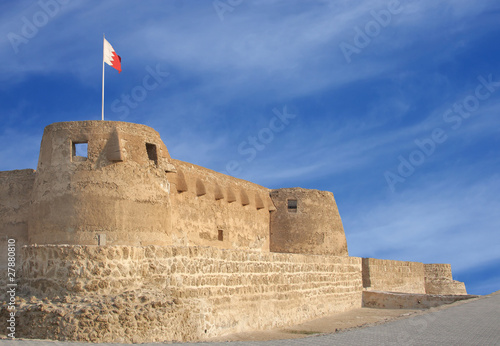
(357, 318)
(330, 324)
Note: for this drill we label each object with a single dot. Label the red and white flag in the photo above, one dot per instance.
(111, 58)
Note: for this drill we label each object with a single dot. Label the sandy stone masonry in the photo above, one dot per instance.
(438, 280)
(200, 291)
(409, 277)
(308, 228)
(118, 242)
(127, 190)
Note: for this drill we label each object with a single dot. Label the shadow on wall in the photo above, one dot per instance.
(366, 272)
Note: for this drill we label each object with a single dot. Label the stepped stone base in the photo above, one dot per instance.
(396, 300)
(148, 294)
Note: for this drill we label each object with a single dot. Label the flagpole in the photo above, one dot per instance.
(102, 117)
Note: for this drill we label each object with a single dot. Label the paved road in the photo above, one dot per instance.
(473, 323)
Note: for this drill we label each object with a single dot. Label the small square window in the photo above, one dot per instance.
(221, 235)
(292, 205)
(151, 149)
(79, 151)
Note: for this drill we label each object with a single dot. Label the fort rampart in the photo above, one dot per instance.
(107, 293)
(394, 276)
(438, 280)
(409, 277)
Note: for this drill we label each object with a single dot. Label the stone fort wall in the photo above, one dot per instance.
(15, 197)
(409, 277)
(393, 276)
(127, 190)
(187, 293)
(438, 280)
(127, 293)
(306, 221)
(112, 191)
(212, 209)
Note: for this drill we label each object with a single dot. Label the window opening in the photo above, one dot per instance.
(80, 150)
(220, 235)
(151, 149)
(292, 205)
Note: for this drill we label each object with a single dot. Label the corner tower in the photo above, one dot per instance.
(101, 182)
(306, 221)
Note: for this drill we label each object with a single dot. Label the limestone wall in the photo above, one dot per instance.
(306, 221)
(127, 190)
(213, 209)
(122, 293)
(123, 188)
(410, 277)
(393, 276)
(15, 194)
(118, 189)
(438, 270)
(438, 280)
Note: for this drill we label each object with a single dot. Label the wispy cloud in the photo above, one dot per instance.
(354, 119)
(430, 223)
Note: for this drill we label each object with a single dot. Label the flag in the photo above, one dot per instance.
(111, 58)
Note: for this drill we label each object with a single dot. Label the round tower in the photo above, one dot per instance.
(306, 221)
(100, 182)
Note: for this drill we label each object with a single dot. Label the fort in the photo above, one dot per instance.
(118, 242)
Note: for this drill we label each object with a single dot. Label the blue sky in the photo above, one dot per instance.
(392, 106)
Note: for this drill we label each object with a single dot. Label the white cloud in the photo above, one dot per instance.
(227, 76)
(441, 221)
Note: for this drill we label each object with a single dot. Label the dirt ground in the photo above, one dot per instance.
(357, 318)
(351, 319)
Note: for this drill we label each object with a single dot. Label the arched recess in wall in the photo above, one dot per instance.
(181, 184)
(200, 188)
(244, 198)
(218, 193)
(258, 202)
(230, 195)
